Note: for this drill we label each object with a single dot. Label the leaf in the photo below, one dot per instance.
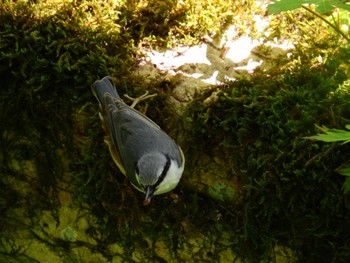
(345, 170)
(279, 6)
(346, 186)
(326, 6)
(322, 6)
(331, 135)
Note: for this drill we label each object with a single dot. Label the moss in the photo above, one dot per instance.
(292, 193)
(52, 153)
(69, 234)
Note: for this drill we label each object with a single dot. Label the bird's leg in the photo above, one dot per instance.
(139, 99)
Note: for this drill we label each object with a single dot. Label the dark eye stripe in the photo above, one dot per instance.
(164, 172)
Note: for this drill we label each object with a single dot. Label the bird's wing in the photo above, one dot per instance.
(134, 134)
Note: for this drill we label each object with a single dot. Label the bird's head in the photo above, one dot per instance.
(157, 173)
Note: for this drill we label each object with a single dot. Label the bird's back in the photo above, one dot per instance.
(136, 135)
(130, 132)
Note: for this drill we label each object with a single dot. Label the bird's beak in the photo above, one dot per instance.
(149, 194)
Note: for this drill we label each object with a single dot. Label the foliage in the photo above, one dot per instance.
(166, 23)
(313, 44)
(50, 53)
(323, 7)
(345, 170)
(336, 21)
(332, 135)
(48, 61)
(291, 188)
(336, 135)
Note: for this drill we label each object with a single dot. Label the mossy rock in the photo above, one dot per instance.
(254, 188)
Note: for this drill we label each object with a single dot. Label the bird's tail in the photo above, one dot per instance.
(103, 86)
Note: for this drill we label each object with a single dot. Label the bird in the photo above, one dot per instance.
(142, 151)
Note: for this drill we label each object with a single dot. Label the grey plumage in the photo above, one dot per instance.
(141, 144)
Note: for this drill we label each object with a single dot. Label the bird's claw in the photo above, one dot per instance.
(139, 99)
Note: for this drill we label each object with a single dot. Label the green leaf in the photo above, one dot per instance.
(331, 135)
(346, 186)
(326, 6)
(344, 170)
(322, 6)
(279, 6)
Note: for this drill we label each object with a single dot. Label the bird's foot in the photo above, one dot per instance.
(139, 99)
